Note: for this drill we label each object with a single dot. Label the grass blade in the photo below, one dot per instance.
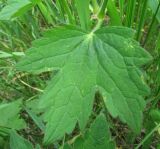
(130, 12)
(142, 19)
(103, 10)
(113, 13)
(146, 138)
(95, 6)
(45, 13)
(151, 25)
(121, 5)
(66, 8)
(83, 13)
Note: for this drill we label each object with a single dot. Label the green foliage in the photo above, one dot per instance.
(15, 8)
(96, 74)
(98, 136)
(155, 115)
(17, 142)
(153, 4)
(85, 14)
(88, 62)
(12, 119)
(113, 13)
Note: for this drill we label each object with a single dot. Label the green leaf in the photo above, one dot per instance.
(83, 13)
(155, 115)
(153, 4)
(18, 142)
(98, 136)
(106, 60)
(15, 8)
(113, 13)
(11, 119)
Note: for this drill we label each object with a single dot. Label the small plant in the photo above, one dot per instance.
(95, 72)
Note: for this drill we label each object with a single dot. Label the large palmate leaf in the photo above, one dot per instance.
(97, 137)
(15, 8)
(106, 60)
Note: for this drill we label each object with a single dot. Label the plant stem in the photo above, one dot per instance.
(101, 14)
(146, 138)
(151, 25)
(142, 19)
(98, 25)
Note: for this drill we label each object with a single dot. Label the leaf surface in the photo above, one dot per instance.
(107, 60)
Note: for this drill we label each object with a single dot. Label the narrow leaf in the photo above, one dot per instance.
(153, 4)
(114, 15)
(83, 12)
